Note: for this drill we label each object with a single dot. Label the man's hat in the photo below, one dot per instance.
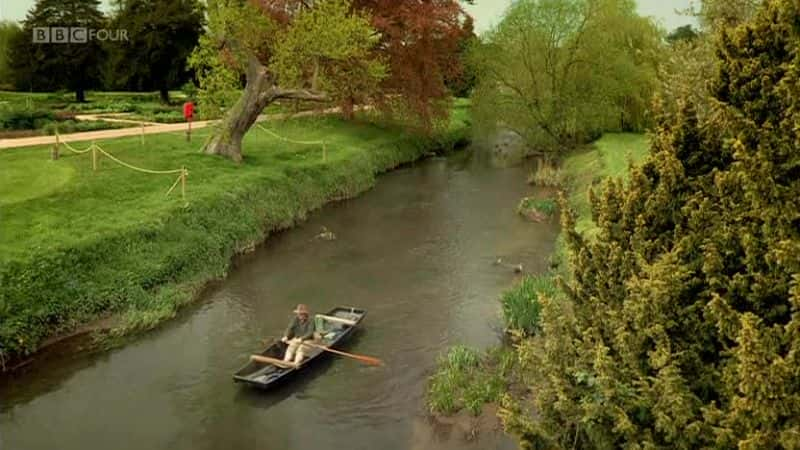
(301, 309)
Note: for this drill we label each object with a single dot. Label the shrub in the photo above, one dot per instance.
(170, 116)
(521, 306)
(103, 107)
(77, 126)
(25, 119)
(189, 89)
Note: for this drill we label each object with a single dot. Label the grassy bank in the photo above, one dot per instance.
(76, 245)
(458, 384)
(608, 157)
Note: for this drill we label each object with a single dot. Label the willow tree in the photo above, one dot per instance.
(558, 71)
(285, 49)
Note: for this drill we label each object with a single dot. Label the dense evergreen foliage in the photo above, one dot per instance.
(53, 66)
(161, 35)
(146, 48)
(682, 323)
(8, 31)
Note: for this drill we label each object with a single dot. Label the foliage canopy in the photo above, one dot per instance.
(161, 35)
(558, 72)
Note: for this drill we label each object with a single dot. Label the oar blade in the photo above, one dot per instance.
(369, 360)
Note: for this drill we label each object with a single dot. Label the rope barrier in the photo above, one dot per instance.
(94, 148)
(74, 150)
(183, 173)
(292, 141)
(138, 169)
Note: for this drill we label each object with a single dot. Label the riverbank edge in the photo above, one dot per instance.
(577, 181)
(133, 311)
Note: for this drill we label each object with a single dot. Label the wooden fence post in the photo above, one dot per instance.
(94, 157)
(54, 153)
(141, 124)
(183, 183)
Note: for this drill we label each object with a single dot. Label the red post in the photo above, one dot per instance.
(188, 114)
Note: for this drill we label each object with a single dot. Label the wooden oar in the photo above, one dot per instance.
(365, 359)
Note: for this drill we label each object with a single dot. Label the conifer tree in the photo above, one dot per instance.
(681, 327)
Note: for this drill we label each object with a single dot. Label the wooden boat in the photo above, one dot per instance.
(337, 325)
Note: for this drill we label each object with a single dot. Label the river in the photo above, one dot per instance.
(416, 252)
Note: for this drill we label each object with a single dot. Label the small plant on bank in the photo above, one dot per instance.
(521, 306)
(537, 210)
(465, 379)
(547, 175)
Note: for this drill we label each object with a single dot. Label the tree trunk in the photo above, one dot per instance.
(80, 95)
(259, 92)
(348, 108)
(227, 140)
(164, 94)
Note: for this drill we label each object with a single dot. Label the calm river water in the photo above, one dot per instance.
(416, 252)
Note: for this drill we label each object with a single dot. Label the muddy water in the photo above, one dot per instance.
(416, 252)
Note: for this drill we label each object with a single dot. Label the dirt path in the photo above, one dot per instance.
(136, 131)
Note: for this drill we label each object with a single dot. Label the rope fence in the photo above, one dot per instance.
(73, 149)
(98, 152)
(182, 173)
(292, 141)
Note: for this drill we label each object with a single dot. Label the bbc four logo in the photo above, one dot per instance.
(76, 35)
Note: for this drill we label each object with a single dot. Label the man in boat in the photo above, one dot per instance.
(300, 330)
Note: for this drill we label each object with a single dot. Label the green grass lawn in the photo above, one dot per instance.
(610, 156)
(75, 243)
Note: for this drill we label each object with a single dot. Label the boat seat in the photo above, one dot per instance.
(337, 320)
(325, 329)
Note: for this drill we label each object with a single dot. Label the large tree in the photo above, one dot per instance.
(397, 54)
(286, 49)
(8, 33)
(681, 322)
(422, 42)
(559, 71)
(51, 66)
(161, 35)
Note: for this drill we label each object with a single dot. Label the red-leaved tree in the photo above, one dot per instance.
(421, 41)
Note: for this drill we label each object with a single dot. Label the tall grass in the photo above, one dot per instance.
(521, 307)
(466, 379)
(547, 175)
